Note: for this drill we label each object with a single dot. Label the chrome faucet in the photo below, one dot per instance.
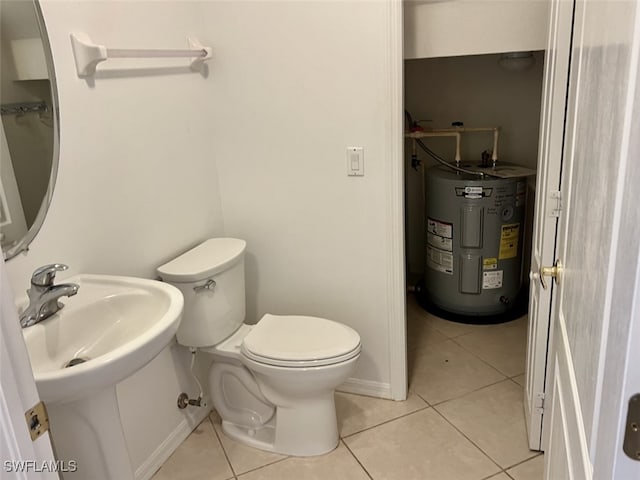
(44, 295)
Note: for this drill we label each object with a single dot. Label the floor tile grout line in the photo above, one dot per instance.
(356, 458)
(472, 442)
(237, 475)
(494, 474)
(504, 469)
(229, 460)
(447, 336)
(453, 339)
(426, 321)
(265, 465)
(427, 345)
(513, 380)
(481, 359)
(423, 315)
(525, 460)
(423, 399)
(492, 384)
(224, 451)
(386, 421)
(506, 377)
(517, 464)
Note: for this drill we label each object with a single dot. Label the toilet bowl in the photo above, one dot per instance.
(273, 382)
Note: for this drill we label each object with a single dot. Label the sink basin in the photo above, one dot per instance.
(110, 329)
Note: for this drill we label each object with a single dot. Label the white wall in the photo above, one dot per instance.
(295, 84)
(137, 182)
(444, 28)
(477, 91)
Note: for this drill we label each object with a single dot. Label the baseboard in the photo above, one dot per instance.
(171, 443)
(366, 387)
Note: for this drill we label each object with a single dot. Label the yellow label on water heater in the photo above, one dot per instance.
(490, 263)
(509, 241)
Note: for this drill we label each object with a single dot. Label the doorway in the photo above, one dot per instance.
(449, 362)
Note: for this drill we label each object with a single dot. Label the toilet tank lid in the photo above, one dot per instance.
(206, 260)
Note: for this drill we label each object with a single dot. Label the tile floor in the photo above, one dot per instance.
(463, 419)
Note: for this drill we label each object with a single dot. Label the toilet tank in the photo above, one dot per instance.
(211, 278)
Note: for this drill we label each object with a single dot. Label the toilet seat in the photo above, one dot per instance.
(296, 341)
(275, 362)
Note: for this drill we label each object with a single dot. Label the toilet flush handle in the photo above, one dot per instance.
(208, 285)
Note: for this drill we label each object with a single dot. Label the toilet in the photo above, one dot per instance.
(273, 382)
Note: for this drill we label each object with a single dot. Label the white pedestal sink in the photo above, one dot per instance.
(113, 327)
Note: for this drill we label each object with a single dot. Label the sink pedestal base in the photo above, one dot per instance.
(89, 431)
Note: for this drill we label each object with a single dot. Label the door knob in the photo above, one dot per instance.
(555, 272)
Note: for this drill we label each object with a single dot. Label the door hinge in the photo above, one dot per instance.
(37, 420)
(555, 203)
(538, 402)
(631, 444)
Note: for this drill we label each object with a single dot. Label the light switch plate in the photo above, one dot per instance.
(355, 161)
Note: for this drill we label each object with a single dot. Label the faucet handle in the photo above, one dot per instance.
(44, 276)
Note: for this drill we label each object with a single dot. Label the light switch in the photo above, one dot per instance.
(355, 161)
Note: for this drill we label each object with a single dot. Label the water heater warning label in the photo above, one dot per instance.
(440, 260)
(441, 229)
(509, 241)
(490, 264)
(492, 280)
(443, 243)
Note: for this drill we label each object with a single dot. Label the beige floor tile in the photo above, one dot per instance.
(242, 457)
(420, 446)
(338, 464)
(420, 333)
(412, 305)
(451, 329)
(357, 412)
(504, 346)
(500, 476)
(520, 379)
(445, 370)
(445, 327)
(530, 470)
(199, 456)
(493, 418)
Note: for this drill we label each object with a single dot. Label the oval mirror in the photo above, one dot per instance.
(29, 132)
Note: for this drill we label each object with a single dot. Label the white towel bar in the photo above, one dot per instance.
(88, 54)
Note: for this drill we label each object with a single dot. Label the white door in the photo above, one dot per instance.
(21, 458)
(594, 298)
(546, 210)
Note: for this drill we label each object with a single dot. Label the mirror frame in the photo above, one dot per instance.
(23, 244)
